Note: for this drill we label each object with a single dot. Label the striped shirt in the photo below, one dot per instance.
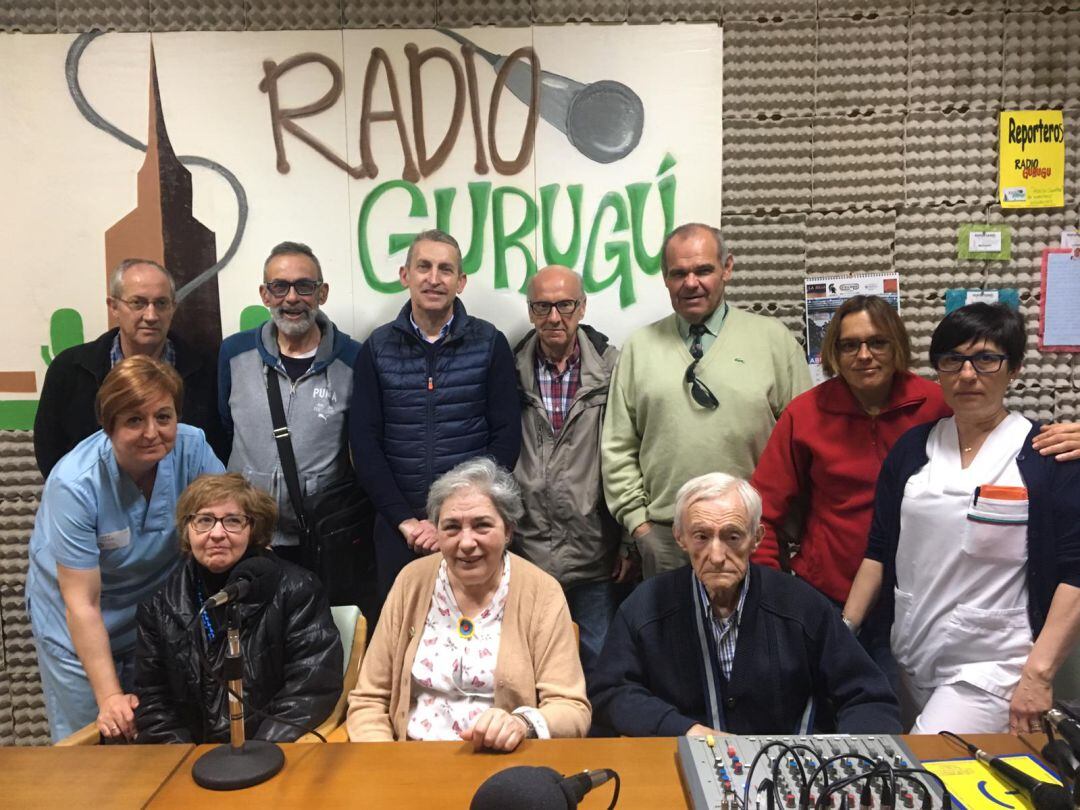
(557, 390)
(725, 632)
(116, 353)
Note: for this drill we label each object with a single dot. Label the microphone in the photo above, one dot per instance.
(242, 763)
(253, 580)
(525, 787)
(1066, 727)
(1043, 795)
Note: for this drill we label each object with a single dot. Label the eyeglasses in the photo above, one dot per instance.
(699, 390)
(139, 304)
(279, 287)
(230, 523)
(983, 362)
(543, 308)
(878, 346)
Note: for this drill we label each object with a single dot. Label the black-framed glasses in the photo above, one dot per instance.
(279, 287)
(982, 362)
(138, 304)
(542, 309)
(878, 346)
(699, 390)
(233, 524)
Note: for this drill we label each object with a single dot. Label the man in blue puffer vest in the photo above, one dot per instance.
(434, 387)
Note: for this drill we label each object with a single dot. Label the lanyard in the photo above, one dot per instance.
(210, 634)
(712, 662)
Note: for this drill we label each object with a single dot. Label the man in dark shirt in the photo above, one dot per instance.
(142, 300)
(722, 645)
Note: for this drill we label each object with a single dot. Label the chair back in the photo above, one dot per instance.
(352, 626)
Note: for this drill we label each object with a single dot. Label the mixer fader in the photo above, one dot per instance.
(837, 771)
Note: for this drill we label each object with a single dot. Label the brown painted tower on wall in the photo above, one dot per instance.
(163, 228)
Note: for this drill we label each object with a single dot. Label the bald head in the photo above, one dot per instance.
(556, 307)
(556, 274)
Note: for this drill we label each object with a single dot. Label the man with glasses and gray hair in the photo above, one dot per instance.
(696, 391)
(310, 361)
(564, 369)
(141, 301)
(726, 646)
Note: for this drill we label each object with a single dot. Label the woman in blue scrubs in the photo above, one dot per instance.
(104, 540)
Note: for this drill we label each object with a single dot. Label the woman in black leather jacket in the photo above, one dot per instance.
(292, 650)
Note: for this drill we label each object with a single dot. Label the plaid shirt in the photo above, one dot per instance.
(557, 391)
(725, 632)
(116, 354)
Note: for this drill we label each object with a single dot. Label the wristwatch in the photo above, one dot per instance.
(849, 624)
(530, 729)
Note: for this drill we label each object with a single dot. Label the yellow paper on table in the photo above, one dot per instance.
(975, 787)
(1031, 159)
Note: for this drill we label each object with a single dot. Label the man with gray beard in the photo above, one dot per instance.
(310, 360)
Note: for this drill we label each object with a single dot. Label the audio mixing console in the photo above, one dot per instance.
(723, 772)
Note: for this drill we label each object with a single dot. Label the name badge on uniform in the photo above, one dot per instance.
(117, 539)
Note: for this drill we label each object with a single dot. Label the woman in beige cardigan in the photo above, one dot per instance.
(474, 643)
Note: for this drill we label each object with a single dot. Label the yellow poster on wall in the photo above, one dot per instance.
(1031, 154)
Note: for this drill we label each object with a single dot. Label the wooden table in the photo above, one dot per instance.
(114, 776)
(437, 775)
(382, 775)
(446, 775)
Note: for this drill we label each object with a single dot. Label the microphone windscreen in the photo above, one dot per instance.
(264, 575)
(523, 787)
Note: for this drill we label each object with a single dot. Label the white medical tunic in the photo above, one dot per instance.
(961, 562)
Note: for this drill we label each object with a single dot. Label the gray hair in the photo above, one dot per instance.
(685, 230)
(293, 249)
(716, 485)
(485, 477)
(116, 277)
(434, 235)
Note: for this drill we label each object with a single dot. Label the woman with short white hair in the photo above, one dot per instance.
(474, 643)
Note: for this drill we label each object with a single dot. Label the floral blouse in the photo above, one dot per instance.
(453, 674)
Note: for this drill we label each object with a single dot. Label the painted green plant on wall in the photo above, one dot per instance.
(65, 331)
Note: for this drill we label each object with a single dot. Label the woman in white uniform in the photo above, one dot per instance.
(976, 539)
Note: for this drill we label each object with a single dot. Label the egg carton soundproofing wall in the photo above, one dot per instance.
(76, 16)
(770, 257)
(28, 16)
(768, 165)
(862, 66)
(950, 157)
(659, 11)
(768, 70)
(198, 15)
(955, 61)
(388, 14)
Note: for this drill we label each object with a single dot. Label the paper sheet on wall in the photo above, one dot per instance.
(1059, 321)
(825, 294)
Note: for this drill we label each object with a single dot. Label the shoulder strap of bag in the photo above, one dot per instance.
(284, 446)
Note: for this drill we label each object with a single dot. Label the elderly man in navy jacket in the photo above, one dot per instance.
(725, 646)
(432, 388)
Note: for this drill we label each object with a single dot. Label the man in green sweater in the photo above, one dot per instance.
(696, 392)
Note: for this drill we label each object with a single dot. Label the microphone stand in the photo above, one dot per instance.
(242, 763)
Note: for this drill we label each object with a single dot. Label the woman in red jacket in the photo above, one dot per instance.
(822, 460)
